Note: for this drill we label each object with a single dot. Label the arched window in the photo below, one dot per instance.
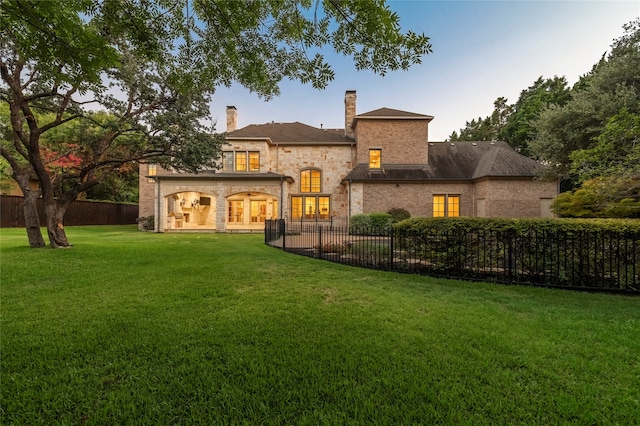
(310, 180)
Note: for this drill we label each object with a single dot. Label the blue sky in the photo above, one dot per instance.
(481, 50)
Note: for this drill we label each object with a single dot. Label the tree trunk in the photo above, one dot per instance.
(32, 219)
(30, 209)
(55, 228)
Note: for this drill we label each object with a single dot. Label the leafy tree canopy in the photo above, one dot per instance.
(153, 65)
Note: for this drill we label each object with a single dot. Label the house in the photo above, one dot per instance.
(382, 159)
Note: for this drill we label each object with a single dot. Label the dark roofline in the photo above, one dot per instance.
(207, 175)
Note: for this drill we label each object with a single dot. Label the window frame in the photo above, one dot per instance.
(152, 172)
(377, 162)
(311, 184)
(321, 205)
(445, 205)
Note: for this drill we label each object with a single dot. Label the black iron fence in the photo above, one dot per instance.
(79, 213)
(598, 260)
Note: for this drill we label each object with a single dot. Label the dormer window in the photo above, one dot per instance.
(375, 158)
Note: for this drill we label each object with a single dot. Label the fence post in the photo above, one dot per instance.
(320, 242)
(284, 234)
(392, 234)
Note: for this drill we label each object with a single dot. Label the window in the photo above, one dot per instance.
(446, 205)
(258, 211)
(227, 161)
(375, 158)
(153, 170)
(310, 180)
(235, 211)
(254, 161)
(310, 207)
(241, 161)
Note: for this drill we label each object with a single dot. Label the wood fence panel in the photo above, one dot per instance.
(79, 213)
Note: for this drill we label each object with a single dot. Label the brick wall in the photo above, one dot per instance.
(513, 197)
(401, 141)
(416, 198)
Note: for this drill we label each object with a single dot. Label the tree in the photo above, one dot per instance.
(612, 85)
(488, 128)
(518, 128)
(153, 65)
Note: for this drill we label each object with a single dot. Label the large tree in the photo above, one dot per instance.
(612, 86)
(153, 65)
(518, 129)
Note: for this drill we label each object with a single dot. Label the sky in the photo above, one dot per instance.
(482, 50)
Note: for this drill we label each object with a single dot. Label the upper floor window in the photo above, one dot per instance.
(375, 158)
(153, 170)
(310, 180)
(254, 161)
(241, 161)
(446, 205)
(227, 161)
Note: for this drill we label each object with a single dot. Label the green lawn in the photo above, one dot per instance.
(129, 327)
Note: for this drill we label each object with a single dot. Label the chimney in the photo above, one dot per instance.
(232, 118)
(349, 111)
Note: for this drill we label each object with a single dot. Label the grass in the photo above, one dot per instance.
(130, 327)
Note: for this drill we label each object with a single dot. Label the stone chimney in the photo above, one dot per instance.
(232, 118)
(349, 111)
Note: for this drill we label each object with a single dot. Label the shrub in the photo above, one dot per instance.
(398, 214)
(370, 224)
(146, 223)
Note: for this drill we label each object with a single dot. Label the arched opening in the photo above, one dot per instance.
(191, 210)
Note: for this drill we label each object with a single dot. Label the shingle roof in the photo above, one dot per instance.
(216, 175)
(393, 113)
(455, 161)
(292, 133)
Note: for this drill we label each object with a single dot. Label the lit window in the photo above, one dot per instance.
(438, 205)
(235, 211)
(258, 211)
(227, 161)
(254, 161)
(375, 158)
(153, 170)
(323, 207)
(274, 210)
(311, 208)
(453, 206)
(446, 205)
(241, 161)
(310, 181)
(296, 207)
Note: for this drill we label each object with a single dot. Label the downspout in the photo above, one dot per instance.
(157, 218)
(349, 204)
(281, 198)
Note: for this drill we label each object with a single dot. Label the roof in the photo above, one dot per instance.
(454, 161)
(389, 113)
(216, 175)
(292, 133)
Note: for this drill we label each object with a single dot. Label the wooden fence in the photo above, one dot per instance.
(79, 213)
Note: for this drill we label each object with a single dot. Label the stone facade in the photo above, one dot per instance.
(298, 172)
